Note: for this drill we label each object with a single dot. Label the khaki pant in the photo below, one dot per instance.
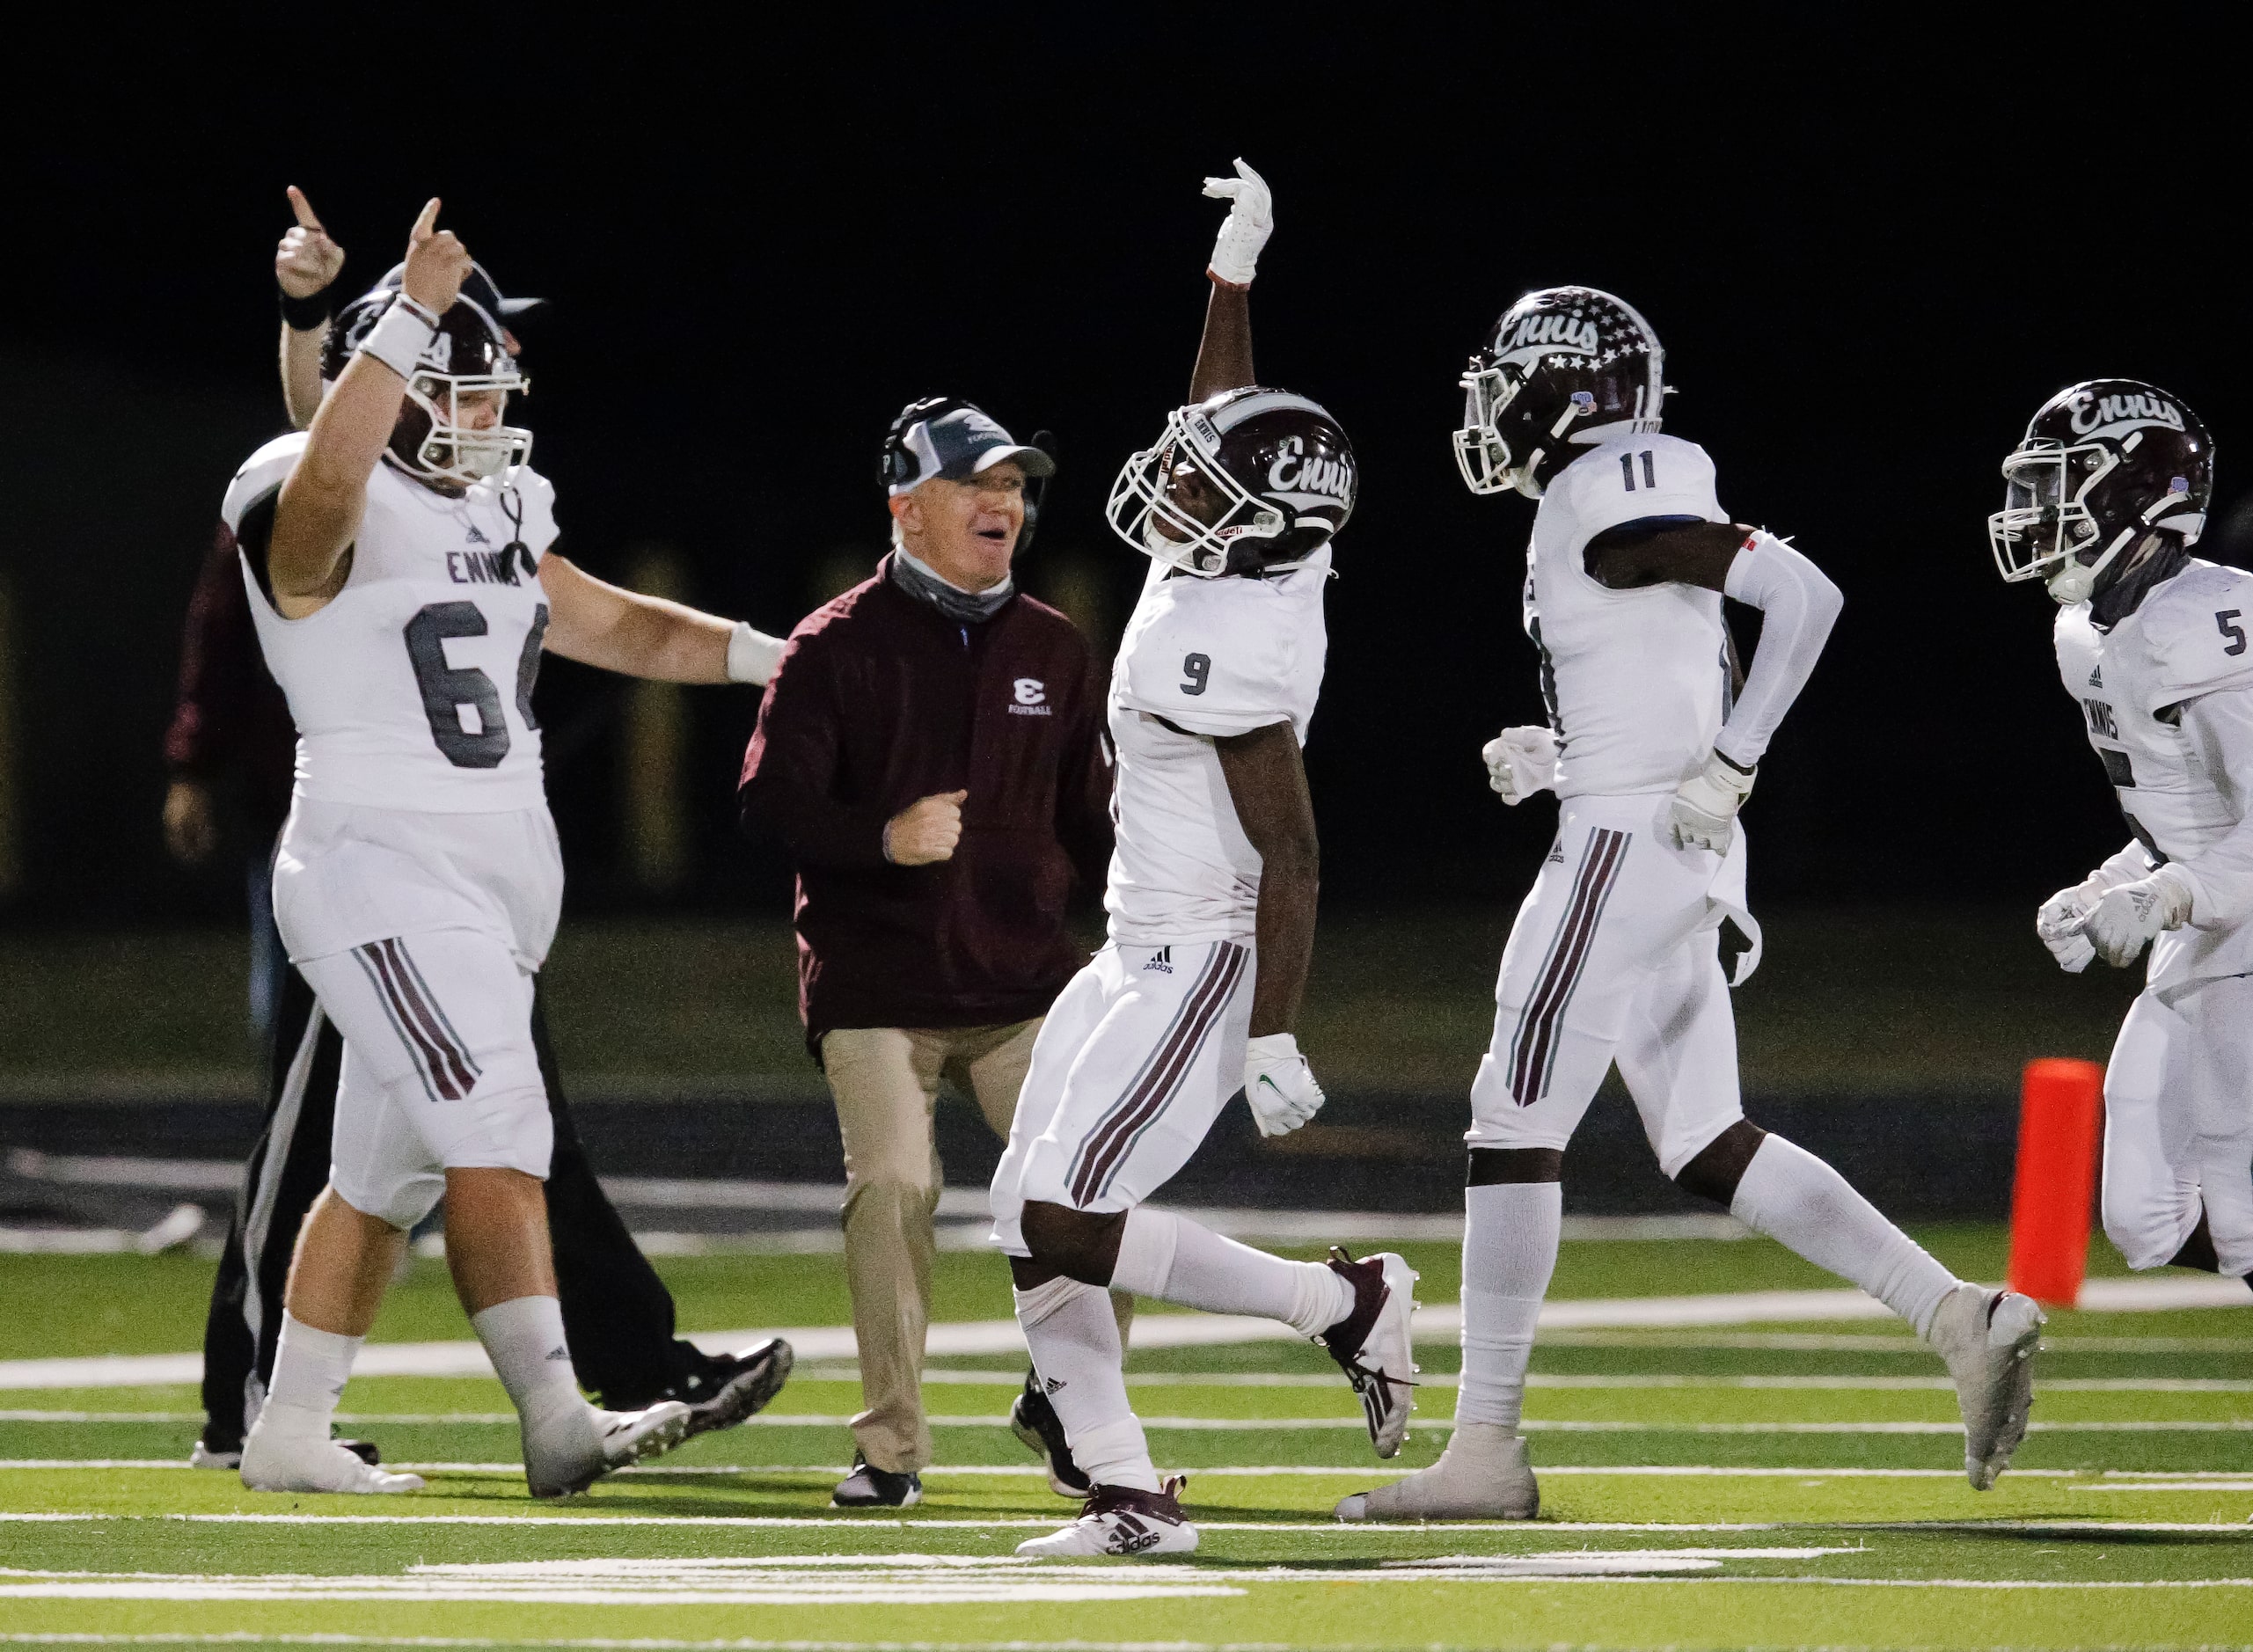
(885, 1080)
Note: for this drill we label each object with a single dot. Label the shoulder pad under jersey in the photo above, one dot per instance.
(262, 473)
(2196, 627)
(1629, 478)
(1213, 657)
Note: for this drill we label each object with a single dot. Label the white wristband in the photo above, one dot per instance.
(753, 655)
(401, 336)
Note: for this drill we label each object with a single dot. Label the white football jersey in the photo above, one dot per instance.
(1637, 681)
(2187, 638)
(1202, 658)
(413, 687)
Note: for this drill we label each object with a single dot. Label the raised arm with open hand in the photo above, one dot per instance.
(1225, 352)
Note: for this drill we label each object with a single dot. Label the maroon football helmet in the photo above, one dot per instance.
(468, 356)
(2103, 463)
(1249, 481)
(1564, 367)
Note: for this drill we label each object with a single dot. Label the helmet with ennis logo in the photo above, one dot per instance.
(1564, 367)
(1251, 481)
(2104, 463)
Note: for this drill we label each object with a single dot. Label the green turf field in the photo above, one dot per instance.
(1770, 1485)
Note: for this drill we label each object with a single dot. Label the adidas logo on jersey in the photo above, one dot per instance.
(1161, 961)
(2096, 677)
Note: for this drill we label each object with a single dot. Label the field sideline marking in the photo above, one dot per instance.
(2194, 1480)
(1315, 1523)
(1159, 1330)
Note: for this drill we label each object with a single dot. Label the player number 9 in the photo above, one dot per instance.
(1197, 668)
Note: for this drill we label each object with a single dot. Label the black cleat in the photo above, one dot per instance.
(1033, 1420)
(869, 1487)
(729, 1387)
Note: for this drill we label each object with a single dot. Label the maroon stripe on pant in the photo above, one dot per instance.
(1149, 1066)
(1213, 990)
(1533, 1049)
(459, 1067)
(380, 970)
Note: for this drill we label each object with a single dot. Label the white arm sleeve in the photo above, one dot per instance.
(2219, 726)
(1798, 606)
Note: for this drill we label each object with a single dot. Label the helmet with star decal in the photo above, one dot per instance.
(1564, 367)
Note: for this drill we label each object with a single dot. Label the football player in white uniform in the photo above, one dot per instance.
(1637, 928)
(2106, 495)
(398, 565)
(1212, 899)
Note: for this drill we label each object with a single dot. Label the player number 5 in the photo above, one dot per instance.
(2235, 633)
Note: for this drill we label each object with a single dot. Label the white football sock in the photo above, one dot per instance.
(523, 1337)
(1794, 1197)
(1172, 1258)
(1510, 1250)
(1073, 1334)
(310, 1367)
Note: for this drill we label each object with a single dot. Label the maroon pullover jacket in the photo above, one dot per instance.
(880, 700)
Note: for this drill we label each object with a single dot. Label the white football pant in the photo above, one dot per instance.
(1140, 1052)
(1615, 957)
(2178, 1113)
(440, 1072)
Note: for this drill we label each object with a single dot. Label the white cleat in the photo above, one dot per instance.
(1120, 1521)
(620, 1439)
(1483, 1474)
(1372, 1344)
(273, 1461)
(1989, 1339)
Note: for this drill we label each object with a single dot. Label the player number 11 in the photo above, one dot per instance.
(1627, 471)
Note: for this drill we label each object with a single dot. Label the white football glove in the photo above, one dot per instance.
(1520, 762)
(2059, 924)
(1251, 220)
(2128, 915)
(1278, 1085)
(1703, 815)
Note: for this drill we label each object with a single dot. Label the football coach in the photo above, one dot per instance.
(932, 752)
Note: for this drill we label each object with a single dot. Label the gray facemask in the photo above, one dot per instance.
(965, 608)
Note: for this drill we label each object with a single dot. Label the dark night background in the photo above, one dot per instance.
(1871, 255)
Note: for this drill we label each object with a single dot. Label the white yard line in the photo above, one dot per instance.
(1436, 1324)
(2193, 1481)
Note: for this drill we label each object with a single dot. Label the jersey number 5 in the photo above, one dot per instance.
(446, 689)
(2235, 633)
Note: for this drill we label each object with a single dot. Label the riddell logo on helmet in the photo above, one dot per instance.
(1552, 332)
(2091, 413)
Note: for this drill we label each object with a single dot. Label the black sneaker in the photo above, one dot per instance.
(869, 1487)
(727, 1388)
(1033, 1420)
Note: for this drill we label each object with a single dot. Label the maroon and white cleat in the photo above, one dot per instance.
(1372, 1344)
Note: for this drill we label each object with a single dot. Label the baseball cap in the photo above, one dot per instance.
(478, 286)
(943, 437)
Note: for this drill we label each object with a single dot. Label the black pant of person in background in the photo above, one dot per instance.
(616, 1310)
